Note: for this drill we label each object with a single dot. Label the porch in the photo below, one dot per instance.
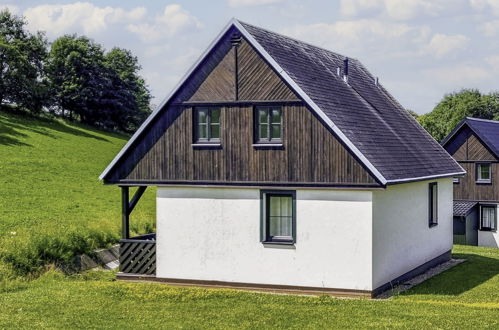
(137, 254)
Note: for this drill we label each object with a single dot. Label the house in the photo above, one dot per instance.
(284, 166)
(474, 143)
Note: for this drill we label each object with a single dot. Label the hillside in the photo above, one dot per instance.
(52, 204)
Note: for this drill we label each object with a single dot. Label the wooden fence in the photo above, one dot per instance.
(138, 255)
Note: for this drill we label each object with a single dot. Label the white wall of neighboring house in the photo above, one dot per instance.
(214, 234)
(402, 239)
(488, 238)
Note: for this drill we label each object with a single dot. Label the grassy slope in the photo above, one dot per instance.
(466, 297)
(51, 202)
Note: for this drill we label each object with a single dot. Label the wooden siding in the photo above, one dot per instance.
(310, 154)
(468, 189)
(220, 83)
(468, 150)
(257, 80)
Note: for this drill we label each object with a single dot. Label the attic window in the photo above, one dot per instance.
(483, 174)
(268, 124)
(207, 125)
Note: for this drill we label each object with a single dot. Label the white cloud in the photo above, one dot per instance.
(395, 9)
(490, 29)
(173, 20)
(458, 76)
(243, 3)
(493, 61)
(442, 45)
(12, 8)
(356, 37)
(78, 17)
(485, 6)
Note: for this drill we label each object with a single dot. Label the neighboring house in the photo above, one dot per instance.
(285, 166)
(474, 143)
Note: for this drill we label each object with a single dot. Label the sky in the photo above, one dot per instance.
(419, 49)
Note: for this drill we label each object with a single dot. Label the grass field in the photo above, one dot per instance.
(52, 204)
(465, 297)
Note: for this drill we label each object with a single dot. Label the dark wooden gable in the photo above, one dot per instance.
(310, 155)
(466, 146)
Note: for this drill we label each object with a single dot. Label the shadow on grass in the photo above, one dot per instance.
(11, 125)
(461, 278)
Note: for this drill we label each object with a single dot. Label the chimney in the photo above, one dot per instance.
(345, 69)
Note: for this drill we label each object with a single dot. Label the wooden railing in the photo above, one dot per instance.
(138, 255)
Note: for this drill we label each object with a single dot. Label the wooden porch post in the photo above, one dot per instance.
(125, 213)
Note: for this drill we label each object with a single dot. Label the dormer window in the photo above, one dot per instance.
(268, 124)
(483, 173)
(207, 124)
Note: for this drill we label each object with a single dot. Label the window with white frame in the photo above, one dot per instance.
(483, 173)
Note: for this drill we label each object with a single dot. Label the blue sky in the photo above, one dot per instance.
(420, 49)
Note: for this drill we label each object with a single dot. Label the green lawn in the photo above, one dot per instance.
(52, 204)
(465, 297)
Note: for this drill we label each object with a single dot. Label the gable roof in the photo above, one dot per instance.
(363, 115)
(486, 130)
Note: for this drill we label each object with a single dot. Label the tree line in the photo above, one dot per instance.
(456, 106)
(72, 77)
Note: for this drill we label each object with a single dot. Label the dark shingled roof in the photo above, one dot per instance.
(383, 131)
(486, 130)
(462, 208)
(364, 116)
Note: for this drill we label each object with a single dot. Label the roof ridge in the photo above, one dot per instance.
(484, 120)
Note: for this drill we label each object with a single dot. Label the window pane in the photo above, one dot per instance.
(488, 217)
(276, 131)
(215, 116)
(263, 116)
(286, 206)
(276, 116)
(275, 206)
(484, 172)
(202, 131)
(275, 226)
(263, 132)
(215, 131)
(202, 116)
(434, 206)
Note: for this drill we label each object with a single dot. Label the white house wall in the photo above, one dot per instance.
(402, 239)
(214, 234)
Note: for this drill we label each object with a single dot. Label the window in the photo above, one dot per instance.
(488, 217)
(483, 174)
(455, 180)
(268, 124)
(207, 124)
(278, 223)
(433, 204)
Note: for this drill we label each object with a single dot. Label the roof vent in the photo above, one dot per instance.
(338, 71)
(345, 69)
(235, 40)
(376, 81)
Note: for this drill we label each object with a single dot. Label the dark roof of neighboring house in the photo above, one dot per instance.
(462, 208)
(364, 116)
(486, 130)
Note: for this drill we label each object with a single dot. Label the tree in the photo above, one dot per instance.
(75, 70)
(455, 107)
(126, 66)
(22, 55)
(413, 113)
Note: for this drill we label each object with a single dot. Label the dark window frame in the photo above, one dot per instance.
(481, 227)
(195, 121)
(265, 238)
(477, 172)
(432, 212)
(456, 180)
(256, 125)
